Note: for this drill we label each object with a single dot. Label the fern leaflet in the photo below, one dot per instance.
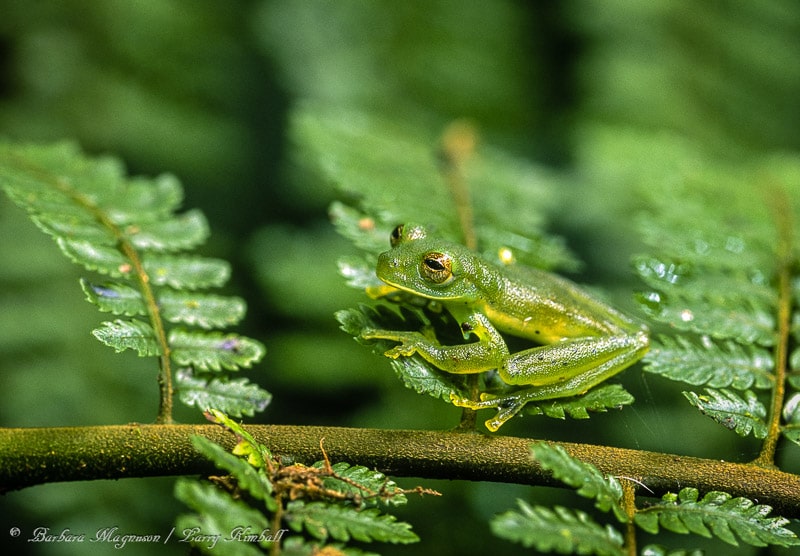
(589, 482)
(743, 414)
(717, 514)
(557, 530)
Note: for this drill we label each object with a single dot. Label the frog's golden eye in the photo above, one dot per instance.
(437, 267)
(396, 236)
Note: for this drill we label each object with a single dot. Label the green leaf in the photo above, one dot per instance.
(219, 514)
(791, 416)
(116, 298)
(185, 231)
(203, 310)
(342, 523)
(368, 479)
(158, 198)
(600, 399)
(102, 259)
(742, 415)
(248, 478)
(717, 365)
(214, 351)
(186, 272)
(74, 226)
(131, 334)
(235, 397)
(255, 448)
(717, 514)
(558, 530)
(586, 478)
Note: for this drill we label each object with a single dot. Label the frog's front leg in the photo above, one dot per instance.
(563, 369)
(489, 352)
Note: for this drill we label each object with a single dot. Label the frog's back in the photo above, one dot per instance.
(546, 308)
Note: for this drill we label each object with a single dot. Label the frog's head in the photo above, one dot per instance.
(432, 268)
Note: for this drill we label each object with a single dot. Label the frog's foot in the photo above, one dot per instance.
(409, 341)
(507, 406)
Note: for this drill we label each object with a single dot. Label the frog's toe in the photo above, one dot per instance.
(401, 350)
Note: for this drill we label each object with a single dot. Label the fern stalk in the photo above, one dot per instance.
(41, 455)
(154, 314)
(784, 223)
(131, 254)
(629, 505)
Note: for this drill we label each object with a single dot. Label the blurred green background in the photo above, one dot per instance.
(209, 91)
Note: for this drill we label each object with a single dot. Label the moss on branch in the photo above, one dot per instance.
(32, 456)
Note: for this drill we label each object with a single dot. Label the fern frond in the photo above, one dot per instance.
(326, 521)
(715, 364)
(558, 530)
(218, 515)
(717, 514)
(127, 229)
(248, 478)
(722, 272)
(741, 414)
(394, 172)
(589, 482)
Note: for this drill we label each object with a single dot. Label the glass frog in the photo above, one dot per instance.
(582, 341)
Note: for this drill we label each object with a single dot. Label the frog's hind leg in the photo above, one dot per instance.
(562, 370)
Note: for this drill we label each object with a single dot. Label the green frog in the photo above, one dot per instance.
(582, 341)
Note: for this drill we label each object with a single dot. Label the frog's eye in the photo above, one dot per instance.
(437, 267)
(396, 236)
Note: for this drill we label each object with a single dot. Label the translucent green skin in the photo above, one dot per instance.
(584, 340)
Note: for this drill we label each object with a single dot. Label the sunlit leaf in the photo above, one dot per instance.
(741, 414)
(214, 351)
(129, 334)
(203, 310)
(235, 397)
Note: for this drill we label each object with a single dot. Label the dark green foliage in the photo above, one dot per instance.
(718, 514)
(127, 229)
(557, 530)
(586, 479)
(561, 530)
(322, 505)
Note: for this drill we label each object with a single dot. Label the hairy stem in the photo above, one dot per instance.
(42, 455)
(629, 505)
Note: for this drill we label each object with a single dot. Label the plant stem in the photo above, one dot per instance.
(782, 210)
(629, 505)
(43, 455)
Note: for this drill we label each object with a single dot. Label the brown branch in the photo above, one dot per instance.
(41, 455)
